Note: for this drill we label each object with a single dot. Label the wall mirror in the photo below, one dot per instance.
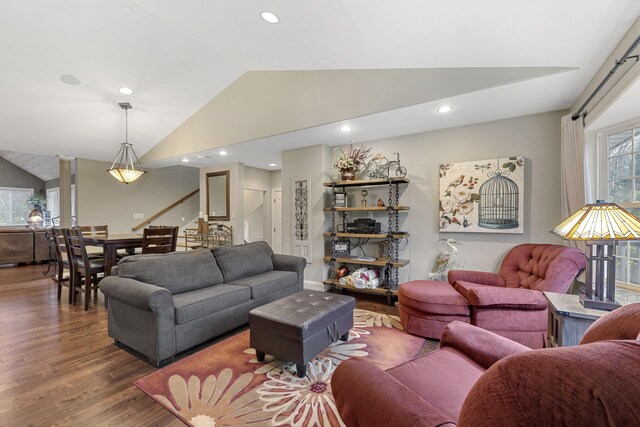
(218, 195)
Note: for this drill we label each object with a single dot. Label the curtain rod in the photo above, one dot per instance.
(625, 57)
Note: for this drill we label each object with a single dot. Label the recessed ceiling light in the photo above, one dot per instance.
(70, 80)
(125, 90)
(444, 109)
(222, 153)
(185, 160)
(272, 164)
(345, 128)
(271, 18)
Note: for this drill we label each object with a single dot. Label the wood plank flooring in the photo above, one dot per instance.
(58, 367)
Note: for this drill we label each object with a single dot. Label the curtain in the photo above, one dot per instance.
(574, 170)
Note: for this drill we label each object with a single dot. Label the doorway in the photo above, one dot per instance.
(276, 220)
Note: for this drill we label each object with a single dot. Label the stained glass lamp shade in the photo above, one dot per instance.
(600, 225)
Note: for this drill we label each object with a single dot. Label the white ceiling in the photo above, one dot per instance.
(177, 56)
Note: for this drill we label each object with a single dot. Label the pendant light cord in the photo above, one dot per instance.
(126, 125)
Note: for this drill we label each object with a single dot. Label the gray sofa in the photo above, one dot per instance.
(160, 305)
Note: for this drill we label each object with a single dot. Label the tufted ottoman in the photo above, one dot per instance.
(427, 306)
(298, 327)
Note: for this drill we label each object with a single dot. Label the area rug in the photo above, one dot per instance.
(224, 384)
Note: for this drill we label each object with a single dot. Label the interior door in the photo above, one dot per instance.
(276, 220)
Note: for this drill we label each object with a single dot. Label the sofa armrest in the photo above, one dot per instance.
(480, 277)
(290, 263)
(365, 395)
(138, 294)
(515, 298)
(483, 346)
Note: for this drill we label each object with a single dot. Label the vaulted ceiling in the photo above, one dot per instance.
(259, 88)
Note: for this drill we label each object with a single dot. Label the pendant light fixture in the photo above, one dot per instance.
(126, 168)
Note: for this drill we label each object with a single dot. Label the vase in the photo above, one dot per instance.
(348, 174)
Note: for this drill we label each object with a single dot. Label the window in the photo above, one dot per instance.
(623, 188)
(14, 209)
(53, 201)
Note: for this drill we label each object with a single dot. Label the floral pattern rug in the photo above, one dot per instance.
(224, 384)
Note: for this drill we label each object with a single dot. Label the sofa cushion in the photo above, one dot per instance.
(177, 271)
(464, 287)
(245, 260)
(544, 267)
(265, 284)
(434, 297)
(443, 378)
(198, 303)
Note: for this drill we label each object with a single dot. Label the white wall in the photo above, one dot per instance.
(313, 162)
(236, 197)
(241, 177)
(260, 179)
(103, 200)
(537, 137)
(254, 204)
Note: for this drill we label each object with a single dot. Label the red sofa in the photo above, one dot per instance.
(478, 378)
(510, 303)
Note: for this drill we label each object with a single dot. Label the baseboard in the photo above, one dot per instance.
(315, 286)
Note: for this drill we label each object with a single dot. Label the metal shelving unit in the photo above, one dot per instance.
(392, 263)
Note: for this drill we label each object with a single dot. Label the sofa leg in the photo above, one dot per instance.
(260, 356)
(301, 370)
(345, 336)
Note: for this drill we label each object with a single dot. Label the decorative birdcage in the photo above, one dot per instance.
(499, 202)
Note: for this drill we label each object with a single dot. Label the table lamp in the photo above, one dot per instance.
(35, 218)
(600, 225)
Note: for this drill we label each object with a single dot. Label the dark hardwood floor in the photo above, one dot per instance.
(59, 367)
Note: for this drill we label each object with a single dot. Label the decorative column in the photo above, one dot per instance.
(65, 191)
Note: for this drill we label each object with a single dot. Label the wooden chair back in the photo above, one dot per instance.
(159, 239)
(82, 265)
(62, 253)
(94, 230)
(78, 256)
(62, 261)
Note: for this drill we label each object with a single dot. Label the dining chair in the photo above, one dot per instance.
(62, 262)
(159, 239)
(94, 230)
(85, 269)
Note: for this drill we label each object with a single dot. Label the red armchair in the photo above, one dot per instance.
(594, 384)
(510, 303)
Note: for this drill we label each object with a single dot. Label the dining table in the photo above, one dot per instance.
(110, 244)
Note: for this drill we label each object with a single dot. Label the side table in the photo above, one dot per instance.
(568, 319)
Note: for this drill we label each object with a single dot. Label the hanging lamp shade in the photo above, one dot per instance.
(126, 167)
(599, 221)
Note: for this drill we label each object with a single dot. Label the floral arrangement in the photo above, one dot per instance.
(458, 201)
(354, 158)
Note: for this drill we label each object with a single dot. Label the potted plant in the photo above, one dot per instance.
(352, 161)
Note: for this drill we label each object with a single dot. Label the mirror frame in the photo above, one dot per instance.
(226, 174)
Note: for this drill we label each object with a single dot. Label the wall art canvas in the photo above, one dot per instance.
(484, 196)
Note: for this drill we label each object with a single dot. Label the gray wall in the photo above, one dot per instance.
(537, 137)
(103, 200)
(14, 176)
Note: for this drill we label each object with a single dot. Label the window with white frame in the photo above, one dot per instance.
(14, 209)
(53, 201)
(623, 187)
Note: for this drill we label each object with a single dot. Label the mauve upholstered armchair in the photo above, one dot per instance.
(478, 378)
(510, 303)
